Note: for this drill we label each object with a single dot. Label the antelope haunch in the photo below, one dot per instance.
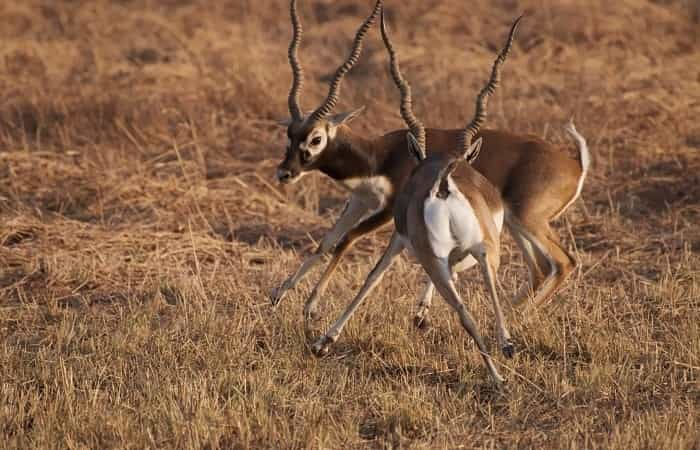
(447, 223)
(537, 181)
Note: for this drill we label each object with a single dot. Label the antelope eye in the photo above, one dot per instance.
(316, 141)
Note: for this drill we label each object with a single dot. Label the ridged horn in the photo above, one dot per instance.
(414, 125)
(297, 71)
(332, 98)
(483, 98)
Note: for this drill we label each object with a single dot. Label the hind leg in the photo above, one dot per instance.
(420, 320)
(551, 258)
(534, 203)
(489, 262)
(440, 274)
(565, 265)
(535, 274)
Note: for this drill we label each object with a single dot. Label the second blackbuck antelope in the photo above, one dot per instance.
(537, 181)
(448, 223)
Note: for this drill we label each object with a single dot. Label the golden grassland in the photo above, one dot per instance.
(141, 230)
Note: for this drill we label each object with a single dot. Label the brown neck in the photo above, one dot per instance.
(349, 156)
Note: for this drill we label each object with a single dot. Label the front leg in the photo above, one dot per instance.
(322, 345)
(366, 226)
(354, 212)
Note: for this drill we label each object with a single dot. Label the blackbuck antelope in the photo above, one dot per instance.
(537, 181)
(447, 222)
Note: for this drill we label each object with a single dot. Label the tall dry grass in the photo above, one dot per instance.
(141, 231)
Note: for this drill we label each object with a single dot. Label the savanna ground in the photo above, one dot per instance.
(141, 230)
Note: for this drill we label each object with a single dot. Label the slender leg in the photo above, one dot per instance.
(354, 211)
(489, 263)
(564, 263)
(278, 293)
(550, 254)
(366, 226)
(420, 320)
(440, 274)
(531, 206)
(535, 275)
(322, 345)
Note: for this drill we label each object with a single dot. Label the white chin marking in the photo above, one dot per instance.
(297, 178)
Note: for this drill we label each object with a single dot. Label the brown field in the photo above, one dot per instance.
(141, 230)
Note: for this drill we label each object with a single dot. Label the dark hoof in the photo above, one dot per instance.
(421, 322)
(508, 350)
(322, 346)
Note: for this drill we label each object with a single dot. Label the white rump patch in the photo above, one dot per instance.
(451, 223)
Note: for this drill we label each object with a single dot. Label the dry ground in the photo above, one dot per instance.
(141, 231)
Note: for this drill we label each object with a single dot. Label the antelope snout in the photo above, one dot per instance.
(284, 175)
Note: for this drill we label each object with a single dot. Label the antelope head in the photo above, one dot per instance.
(311, 138)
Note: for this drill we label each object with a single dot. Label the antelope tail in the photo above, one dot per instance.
(584, 158)
(584, 154)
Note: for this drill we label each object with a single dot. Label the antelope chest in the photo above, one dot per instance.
(374, 192)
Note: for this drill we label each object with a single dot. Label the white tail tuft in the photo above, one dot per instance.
(584, 159)
(584, 154)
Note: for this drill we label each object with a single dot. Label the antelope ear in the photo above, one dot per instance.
(345, 117)
(414, 147)
(473, 151)
(285, 122)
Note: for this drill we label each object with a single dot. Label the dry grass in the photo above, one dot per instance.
(140, 230)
